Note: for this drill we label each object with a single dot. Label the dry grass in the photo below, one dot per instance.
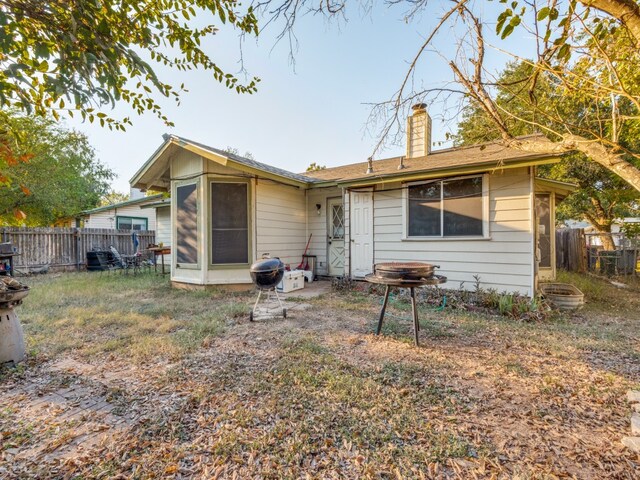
(317, 395)
(136, 316)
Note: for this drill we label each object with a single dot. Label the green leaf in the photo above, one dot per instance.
(543, 13)
(507, 31)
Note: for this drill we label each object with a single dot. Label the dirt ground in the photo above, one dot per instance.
(318, 395)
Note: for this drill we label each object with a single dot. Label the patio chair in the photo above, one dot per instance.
(125, 262)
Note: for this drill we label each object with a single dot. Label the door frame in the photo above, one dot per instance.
(546, 273)
(369, 190)
(329, 202)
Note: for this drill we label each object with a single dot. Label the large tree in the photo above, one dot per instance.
(83, 55)
(51, 172)
(602, 197)
(589, 48)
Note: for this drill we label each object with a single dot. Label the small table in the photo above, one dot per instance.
(8, 256)
(159, 251)
(411, 285)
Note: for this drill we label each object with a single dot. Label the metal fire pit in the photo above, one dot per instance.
(410, 279)
(11, 336)
(11, 298)
(404, 270)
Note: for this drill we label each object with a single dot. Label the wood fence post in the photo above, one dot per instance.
(77, 235)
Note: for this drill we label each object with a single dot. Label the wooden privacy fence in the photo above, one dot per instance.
(65, 248)
(571, 249)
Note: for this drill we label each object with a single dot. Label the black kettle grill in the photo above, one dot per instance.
(266, 275)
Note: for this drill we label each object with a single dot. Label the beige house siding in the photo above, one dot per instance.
(186, 168)
(503, 261)
(107, 218)
(277, 220)
(163, 230)
(317, 224)
(281, 221)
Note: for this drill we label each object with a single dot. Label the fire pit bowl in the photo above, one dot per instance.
(13, 297)
(404, 270)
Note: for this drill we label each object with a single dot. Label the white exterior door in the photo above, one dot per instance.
(361, 233)
(335, 236)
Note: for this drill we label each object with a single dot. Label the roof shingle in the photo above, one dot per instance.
(491, 155)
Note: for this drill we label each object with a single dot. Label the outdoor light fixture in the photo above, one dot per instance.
(318, 208)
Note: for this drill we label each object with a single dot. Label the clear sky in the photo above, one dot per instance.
(314, 112)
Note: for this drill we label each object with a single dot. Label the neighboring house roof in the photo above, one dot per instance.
(450, 161)
(126, 203)
(165, 202)
(487, 155)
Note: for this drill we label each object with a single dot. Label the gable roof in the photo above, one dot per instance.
(126, 203)
(250, 163)
(211, 153)
(484, 156)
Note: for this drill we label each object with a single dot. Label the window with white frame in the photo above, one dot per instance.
(131, 223)
(446, 208)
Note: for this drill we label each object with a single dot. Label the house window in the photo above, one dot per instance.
(131, 223)
(446, 208)
(229, 223)
(187, 224)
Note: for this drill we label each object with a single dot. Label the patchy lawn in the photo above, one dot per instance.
(129, 377)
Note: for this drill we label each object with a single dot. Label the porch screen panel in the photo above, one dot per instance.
(230, 223)
(187, 223)
(543, 215)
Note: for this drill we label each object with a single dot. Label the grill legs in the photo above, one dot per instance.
(268, 309)
(414, 313)
(384, 307)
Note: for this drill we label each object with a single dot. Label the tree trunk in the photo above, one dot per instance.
(627, 11)
(593, 149)
(605, 237)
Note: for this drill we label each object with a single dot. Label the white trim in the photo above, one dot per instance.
(369, 191)
(533, 228)
(329, 202)
(486, 204)
(440, 239)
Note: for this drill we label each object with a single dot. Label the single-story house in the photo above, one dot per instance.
(127, 215)
(480, 212)
(162, 208)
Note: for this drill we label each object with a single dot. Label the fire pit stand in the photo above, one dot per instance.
(12, 348)
(403, 283)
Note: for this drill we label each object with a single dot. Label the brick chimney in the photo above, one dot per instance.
(418, 132)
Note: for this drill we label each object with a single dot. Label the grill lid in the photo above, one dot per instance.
(267, 265)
